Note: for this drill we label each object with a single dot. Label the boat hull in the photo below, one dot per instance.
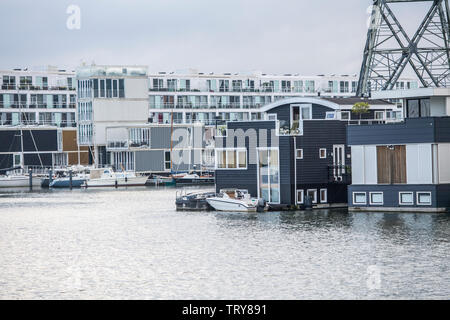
(65, 183)
(220, 204)
(19, 182)
(111, 182)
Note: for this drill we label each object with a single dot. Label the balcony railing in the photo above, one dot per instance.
(35, 88)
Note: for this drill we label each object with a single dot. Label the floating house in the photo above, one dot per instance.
(43, 147)
(404, 166)
(298, 150)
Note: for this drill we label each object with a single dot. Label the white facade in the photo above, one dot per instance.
(110, 96)
(37, 97)
(202, 97)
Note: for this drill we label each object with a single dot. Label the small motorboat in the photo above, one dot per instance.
(157, 181)
(108, 178)
(195, 201)
(193, 178)
(237, 200)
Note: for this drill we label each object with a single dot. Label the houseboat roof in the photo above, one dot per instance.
(412, 93)
(333, 103)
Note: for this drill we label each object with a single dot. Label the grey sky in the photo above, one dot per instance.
(283, 36)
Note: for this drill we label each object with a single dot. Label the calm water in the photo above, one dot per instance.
(132, 244)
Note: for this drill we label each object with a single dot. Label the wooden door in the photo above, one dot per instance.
(391, 163)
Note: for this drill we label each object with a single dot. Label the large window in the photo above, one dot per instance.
(167, 160)
(418, 108)
(231, 158)
(269, 175)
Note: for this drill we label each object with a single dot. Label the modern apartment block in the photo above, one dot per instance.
(205, 97)
(45, 97)
(109, 96)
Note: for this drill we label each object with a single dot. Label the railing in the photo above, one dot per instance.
(35, 88)
(32, 105)
(339, 174)
(62, 124)
(118, 145)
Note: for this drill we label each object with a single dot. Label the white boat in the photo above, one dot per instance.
(18, 181)
(235, 200)
(108, 178)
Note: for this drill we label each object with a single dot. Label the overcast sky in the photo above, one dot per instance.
(280, 36)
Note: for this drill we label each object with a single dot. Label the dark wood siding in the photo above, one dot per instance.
(391, 165)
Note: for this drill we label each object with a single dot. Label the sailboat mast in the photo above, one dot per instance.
(22, 164)
(171, 140)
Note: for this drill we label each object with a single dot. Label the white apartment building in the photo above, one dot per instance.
(37, 97)
(191, 96)
(109, 96)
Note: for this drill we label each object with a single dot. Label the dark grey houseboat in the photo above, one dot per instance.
(299, 149)
(404, 166)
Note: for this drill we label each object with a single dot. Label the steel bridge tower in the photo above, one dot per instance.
(389, 49)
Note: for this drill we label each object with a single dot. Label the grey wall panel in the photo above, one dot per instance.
(411, 131)
(149, 160)
(160, 137)
(442, 129)
(391, 194)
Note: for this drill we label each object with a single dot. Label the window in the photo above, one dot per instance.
(424, 198)
(345, 115)
(323, 153)
(272, 117)
(114, 90)
(344, 87)
(323, 195)
(231, 159)
(379, 115)
(269, 175)
(102, 88)
(312, 193)
(406, 198)
(299, 154)
(17, 160)
(167, 161)
(359, 198)
(330, 116)
(300, 196)
(121, 88)
(376, 198)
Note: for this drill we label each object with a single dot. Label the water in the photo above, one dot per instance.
(132, 244)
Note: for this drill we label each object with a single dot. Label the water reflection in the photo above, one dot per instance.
(132, 243)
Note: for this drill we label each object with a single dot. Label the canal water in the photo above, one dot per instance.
(133, 244)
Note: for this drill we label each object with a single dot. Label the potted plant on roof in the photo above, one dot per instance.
(361, 108)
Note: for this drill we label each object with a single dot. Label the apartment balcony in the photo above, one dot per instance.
(27, 87)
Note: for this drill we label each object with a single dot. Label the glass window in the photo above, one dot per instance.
(242, 159)
(231, 159)
(300, 196)
(425, 110)
(121, 88)
(413, 108)
(424, 198)
(299, 153)
(312, 193)
(345, 115)
(323, 196)
(406, 198)
(268, 175)
(306, 113)
(108, 88)
(102, 88)
(167, 161)
(359, 198)
(323, 153)
(376, 198)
